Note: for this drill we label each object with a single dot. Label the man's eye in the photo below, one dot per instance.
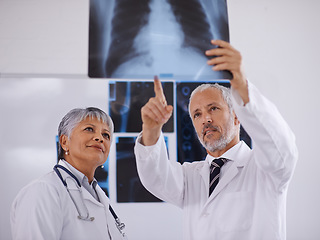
(213, 108)
(106, 135)
(196, 115)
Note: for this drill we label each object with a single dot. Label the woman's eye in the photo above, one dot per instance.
(89, 129)
(106, 135)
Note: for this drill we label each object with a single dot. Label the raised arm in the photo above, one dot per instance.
(228, 58)
(154, 115)
(273, 140)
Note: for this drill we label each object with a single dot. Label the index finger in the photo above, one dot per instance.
(221, 44)
(159, 91)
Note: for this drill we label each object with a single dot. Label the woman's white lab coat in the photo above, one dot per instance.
(44, 210)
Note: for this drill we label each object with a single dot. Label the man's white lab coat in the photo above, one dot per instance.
(249, 202)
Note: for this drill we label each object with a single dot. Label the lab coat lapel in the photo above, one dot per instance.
(102, 196)
(87, 196)
(231, 173)
(204, 173)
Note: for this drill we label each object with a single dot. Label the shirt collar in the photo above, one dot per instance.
(230, 154)
(79, 175)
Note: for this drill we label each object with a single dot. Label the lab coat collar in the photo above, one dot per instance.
(81, 177)
(102, 196)
(89, 197)
(242, 150)
(231, 154)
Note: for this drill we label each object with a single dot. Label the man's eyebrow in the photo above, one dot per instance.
(213, 103)
(196, 110)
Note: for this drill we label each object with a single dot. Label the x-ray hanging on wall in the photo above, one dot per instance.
(129, 187)
(125, 101)
(142, 38)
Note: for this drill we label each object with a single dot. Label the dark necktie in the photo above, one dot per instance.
(215, 173)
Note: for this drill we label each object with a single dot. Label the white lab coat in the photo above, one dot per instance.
(249, 202)
(44, 210)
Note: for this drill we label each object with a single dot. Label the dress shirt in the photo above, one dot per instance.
(90, 187)
(230, 155)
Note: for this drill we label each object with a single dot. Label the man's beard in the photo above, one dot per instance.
(224, 139)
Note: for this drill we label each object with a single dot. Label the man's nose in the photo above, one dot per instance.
(207, 118)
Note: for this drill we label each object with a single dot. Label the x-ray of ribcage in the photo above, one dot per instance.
(143, 38)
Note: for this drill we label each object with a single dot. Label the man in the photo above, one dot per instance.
(248, 199)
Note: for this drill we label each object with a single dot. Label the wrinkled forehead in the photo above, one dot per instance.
(204, 98)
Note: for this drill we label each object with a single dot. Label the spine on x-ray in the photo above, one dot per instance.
(129, 17)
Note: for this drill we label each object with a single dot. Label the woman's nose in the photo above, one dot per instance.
(98, 139)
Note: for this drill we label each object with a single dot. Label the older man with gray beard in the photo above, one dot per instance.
(230, 130)
(236, 192)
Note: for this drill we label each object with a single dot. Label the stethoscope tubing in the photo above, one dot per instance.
(119, 224)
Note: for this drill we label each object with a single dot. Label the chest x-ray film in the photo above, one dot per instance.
(142, 38)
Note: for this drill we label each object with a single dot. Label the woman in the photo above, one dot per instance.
(67, 203)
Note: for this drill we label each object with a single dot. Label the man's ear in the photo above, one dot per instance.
(236, 120)
(64, 142)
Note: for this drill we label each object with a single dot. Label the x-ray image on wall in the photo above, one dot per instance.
(142, 38)
(189, 148)
(102, 176)
(126, 98)
(129, 186)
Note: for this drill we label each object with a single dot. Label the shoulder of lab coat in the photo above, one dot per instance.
(36, 211)
(272, 139)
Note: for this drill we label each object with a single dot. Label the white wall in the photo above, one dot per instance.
(48, 40)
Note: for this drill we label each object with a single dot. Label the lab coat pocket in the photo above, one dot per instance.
(237, 213)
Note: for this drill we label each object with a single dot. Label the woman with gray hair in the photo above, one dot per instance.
(67, 203)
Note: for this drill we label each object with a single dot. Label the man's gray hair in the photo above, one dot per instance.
(75, 116)
(225, 92)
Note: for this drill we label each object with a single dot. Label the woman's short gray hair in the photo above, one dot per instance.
(225, 92)
(75, 116)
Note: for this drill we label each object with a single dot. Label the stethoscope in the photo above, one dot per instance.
(77, 198)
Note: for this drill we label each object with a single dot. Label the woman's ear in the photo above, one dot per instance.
(64, 141)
